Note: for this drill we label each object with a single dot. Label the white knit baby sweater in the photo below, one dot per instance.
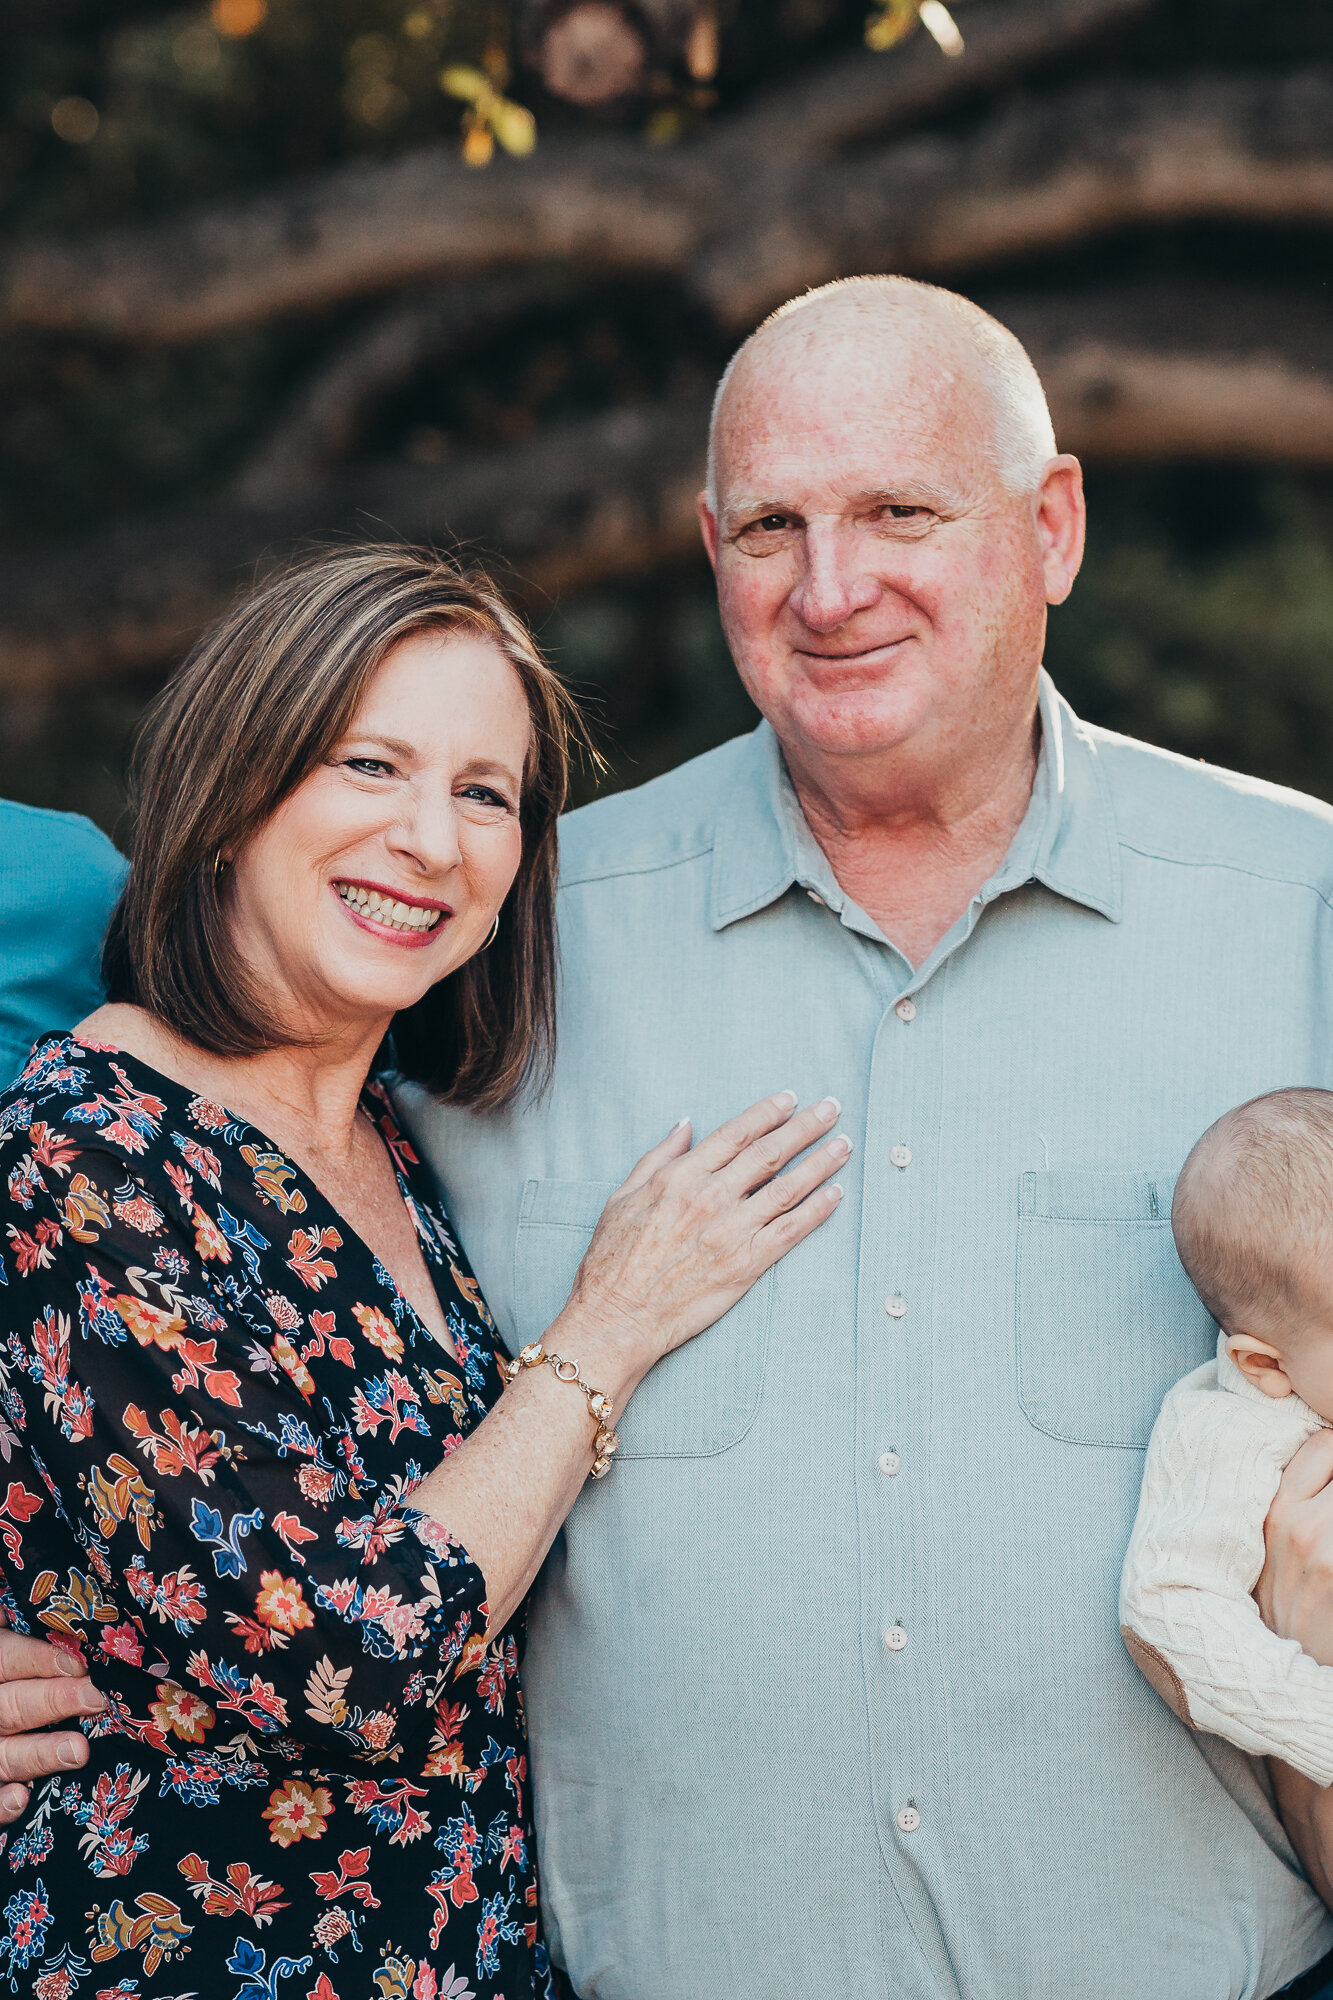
(1215, 1457)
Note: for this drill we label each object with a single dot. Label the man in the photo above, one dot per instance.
(826, 1689)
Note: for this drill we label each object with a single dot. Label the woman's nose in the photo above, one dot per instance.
(428, 833)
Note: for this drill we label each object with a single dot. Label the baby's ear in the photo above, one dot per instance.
(1259, 1363)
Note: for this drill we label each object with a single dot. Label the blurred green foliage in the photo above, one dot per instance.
(1204, 616)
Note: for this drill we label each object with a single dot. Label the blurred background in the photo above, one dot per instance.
(468, 270)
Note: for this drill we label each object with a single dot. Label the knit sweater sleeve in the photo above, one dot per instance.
(1213, 1466)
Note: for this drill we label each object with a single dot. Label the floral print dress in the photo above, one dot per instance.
(310, 1782)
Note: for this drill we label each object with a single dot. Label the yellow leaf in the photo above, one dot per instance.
(514, 126)
(459, 80)
(478, 146)
(896, 20)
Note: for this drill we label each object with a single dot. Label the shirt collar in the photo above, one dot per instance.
(1068, 840)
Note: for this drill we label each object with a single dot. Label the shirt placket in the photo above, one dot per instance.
(900, 1565)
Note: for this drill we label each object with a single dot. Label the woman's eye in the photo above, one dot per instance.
(368, 767)
(485, 796)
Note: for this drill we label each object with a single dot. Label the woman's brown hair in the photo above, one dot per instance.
(259, 702)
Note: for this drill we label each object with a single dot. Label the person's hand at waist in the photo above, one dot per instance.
(39, 1685)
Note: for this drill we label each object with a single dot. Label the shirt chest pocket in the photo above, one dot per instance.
(1107, 1319)
(700, 1400)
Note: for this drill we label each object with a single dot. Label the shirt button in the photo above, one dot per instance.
(895, 1638)
(906, 1010)
(895, 1307)
(900, 1156)
(908, 1820)
(890, 1464)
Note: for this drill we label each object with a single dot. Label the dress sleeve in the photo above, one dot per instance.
(237, 1561)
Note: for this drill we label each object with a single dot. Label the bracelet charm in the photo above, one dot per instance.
(600, 1406)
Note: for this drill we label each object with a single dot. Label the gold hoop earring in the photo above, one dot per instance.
(495, 932)
(218, 864)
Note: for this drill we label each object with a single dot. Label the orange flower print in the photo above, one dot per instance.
(317, 1483)
(84, 1205)
(297, 1811)
(291, 1363)
(133, 1207)
(280, 1603)
(471, 1291)
(208, 1238)
(379, 1330)
(377, 1729)
(150, 1325)
(180, 1713)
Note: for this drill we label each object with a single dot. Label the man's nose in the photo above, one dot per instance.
(835, 583)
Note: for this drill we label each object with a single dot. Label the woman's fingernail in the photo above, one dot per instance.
(785, 1100)
(828, 1107)
(836, 1191)
(840, 1147)
(69, 1753)
(679, 1126)
(13, 1798)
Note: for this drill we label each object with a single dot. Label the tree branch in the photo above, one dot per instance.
(585, 502)
(855, 98)
(604, 203)
(322, 426)
(1212, 374)
(1040, 174)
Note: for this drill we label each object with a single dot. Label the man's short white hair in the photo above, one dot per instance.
(1023, 439)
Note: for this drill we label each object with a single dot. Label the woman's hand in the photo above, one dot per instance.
(692, 1229)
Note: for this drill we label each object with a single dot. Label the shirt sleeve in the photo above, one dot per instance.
(1186, 1612)
(58, 887)
(235, 1557)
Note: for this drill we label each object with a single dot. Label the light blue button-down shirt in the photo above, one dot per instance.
(826, 1688)
(59, 879)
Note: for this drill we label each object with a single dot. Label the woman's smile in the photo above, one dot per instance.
(387, 914)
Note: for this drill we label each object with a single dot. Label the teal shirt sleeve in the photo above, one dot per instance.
(59, 880)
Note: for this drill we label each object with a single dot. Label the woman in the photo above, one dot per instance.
(268, 1469)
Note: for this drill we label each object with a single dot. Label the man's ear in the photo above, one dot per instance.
(707, 526)
(1061, 525)
(1259, 1363)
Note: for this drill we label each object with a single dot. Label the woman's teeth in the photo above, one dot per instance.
(384, 910)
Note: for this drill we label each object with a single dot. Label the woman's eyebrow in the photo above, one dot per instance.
(390, 743)
(487, 767)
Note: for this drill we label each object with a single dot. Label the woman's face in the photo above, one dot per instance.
(384, 870)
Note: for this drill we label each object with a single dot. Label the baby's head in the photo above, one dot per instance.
(1253, 1222)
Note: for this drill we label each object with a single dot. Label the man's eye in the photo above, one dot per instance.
(771, 523)
(900, 511)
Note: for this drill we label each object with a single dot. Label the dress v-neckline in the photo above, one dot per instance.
(245, 1126)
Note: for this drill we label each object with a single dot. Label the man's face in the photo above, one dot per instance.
(878, 584)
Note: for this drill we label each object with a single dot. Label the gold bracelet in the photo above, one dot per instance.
(606, 1443)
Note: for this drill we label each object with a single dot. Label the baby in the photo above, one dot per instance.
(1253, 1223)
